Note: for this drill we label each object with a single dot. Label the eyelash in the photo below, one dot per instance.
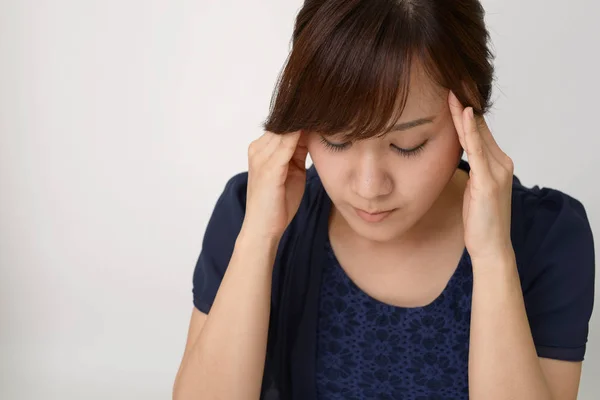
(403, 152)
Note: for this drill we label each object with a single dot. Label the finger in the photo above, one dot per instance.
(286, 148)
(257, 147)
(266, 138)
(456, 110)
(477, 151)
(486, 134)
(271, 146)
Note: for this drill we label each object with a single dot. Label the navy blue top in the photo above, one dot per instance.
(554, 250)
(367, 349)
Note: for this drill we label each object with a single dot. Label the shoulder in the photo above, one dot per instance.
(548, 222)
(235, 189)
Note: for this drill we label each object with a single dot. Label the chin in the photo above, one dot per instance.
(379, 233)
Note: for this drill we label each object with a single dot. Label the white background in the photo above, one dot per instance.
(120, 122)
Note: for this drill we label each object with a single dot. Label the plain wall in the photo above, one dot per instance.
(121, 121)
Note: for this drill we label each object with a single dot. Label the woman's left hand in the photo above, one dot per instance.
(488, 195)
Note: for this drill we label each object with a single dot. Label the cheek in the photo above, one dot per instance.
(449, 139)
(431, 173)
(325, 161)
(329, 166)
(444, 152)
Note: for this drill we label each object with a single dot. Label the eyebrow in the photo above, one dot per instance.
(411, 124)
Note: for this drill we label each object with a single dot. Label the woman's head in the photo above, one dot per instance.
(357, 69)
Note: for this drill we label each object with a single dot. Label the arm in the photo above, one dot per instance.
(225, 354)
(503, 357)
(503, 361)
(226, 361)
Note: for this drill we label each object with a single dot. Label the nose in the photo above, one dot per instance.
(370, 180)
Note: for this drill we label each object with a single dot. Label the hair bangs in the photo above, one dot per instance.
(352, 79)
(349, 71)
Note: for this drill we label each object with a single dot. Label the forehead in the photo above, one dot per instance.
(425, 97)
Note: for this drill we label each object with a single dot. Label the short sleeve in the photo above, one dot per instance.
(560, 275)
(219, 239)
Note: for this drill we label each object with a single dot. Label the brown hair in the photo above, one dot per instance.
(350, 64)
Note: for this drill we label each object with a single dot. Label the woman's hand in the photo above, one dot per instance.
(488, 195)
(276, 182)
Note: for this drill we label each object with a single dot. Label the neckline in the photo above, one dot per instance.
(462, 262)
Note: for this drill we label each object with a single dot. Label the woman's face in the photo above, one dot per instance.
(373, 175)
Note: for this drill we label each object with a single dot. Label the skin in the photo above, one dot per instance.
(436, 207)
(372, 176)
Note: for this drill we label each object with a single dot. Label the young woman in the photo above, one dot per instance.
(391, 268)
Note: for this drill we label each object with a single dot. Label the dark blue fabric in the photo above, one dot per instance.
(367, 349)
(553, 246)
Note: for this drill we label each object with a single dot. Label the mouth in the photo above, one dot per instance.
(373, 216)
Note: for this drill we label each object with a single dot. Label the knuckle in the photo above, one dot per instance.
(282, 142)
(507, 178)
(510, 164)
(252, 148)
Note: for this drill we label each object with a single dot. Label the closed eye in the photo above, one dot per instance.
(335, 146)
(409, 152)
(403, 152)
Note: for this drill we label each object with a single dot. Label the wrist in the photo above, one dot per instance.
(249, 238)
(493, 253)
(501, 257)
(501, 266)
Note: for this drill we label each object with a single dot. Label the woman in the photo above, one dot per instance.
(392, 268)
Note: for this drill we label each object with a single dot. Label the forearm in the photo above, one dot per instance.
(227, 360)
(503, 363)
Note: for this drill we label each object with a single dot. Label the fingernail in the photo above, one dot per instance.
(471, 115)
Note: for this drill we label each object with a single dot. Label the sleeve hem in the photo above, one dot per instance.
(561, 353)
(202, 306)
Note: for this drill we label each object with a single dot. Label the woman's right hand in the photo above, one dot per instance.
(276, 182)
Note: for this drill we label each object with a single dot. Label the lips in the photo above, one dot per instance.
(372, 216)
